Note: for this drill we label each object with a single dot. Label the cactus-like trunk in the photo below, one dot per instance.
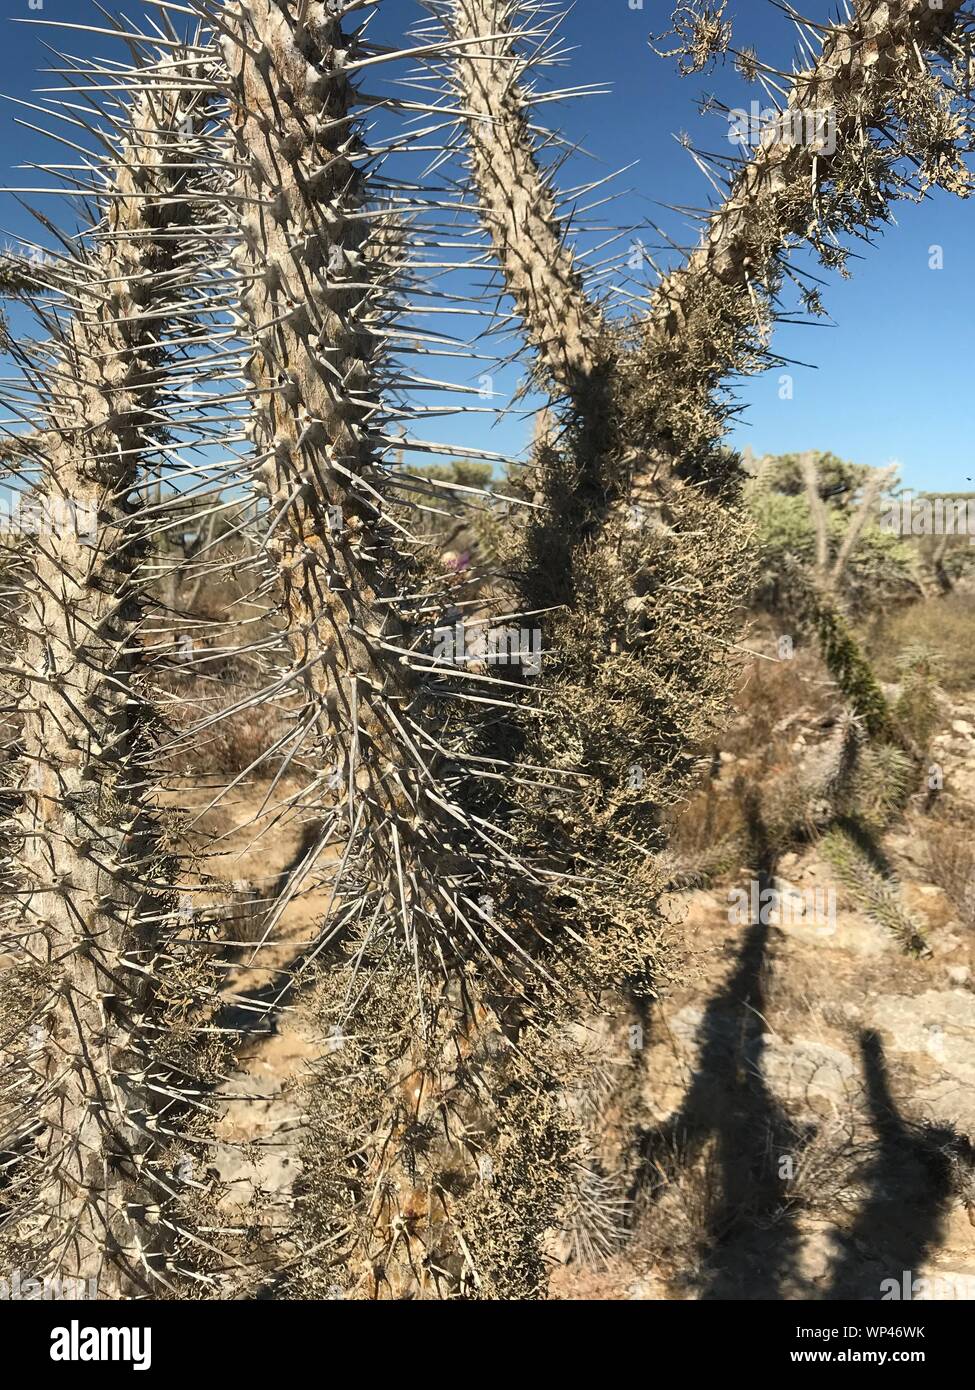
(867, 99)
(363, 598)
(361, 604)
(91, 871)
(312, 308)
(517, 202)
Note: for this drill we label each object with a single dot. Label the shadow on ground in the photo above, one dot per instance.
(747, 1241)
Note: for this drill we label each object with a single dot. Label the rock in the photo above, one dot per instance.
(946, 1101)
(251, 1169)
(687, 1027)
(958, 1227)
(648, 1287)
(929, 901)
(854, 931)
(959, 974)
(962, 726)
(939, 1024)
(945, 942)
(804, 1070)
(817, 1256)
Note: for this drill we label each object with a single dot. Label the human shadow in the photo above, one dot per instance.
(909, 1182)
(729, 1106)
(749, 1242)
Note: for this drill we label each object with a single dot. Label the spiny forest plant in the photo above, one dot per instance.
(102, 1099)
(445, 937)
(854, 557)
(435, 766)
(873, 890)
(636, 487)
(602, 558)
(644, 408)
(477, 761)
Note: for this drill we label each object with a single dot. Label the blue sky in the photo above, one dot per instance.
(890, 376)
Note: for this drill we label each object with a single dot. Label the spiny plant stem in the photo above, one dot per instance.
(92, 876)
(872, 90)
(516, 200)
(405, 750)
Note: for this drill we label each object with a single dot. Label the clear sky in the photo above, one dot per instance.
(889, 377)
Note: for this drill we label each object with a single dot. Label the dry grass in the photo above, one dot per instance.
(677, 1229)
(692, 1222)
(948, 858)
(778, 701)
(775, 699)
(944, 627)
(706, 830)
(204, 672)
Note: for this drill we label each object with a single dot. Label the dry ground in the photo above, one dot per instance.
(808, 1094)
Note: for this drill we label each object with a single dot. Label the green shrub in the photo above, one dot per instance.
(879, 570)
